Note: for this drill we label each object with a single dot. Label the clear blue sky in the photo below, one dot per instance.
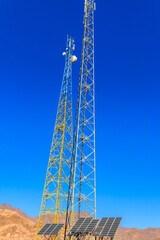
(127, 64)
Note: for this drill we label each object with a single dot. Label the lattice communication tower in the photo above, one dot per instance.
(55, 193)
(83, 193)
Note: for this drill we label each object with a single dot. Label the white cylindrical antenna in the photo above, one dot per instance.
(94, 6)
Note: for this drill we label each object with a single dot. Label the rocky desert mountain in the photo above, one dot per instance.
(16, 225)
(9, 207)
(138, 234)
(47, 219)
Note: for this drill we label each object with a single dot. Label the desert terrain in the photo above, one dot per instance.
(15, 224)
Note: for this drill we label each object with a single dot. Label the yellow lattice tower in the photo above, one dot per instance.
(55, 193)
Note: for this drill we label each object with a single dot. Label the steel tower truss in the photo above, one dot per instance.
(82, 196)
(84, 180)
(55, 193)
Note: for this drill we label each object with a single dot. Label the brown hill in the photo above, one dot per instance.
(137, 234)
(14, 226)
(47, 218)
(9, 207)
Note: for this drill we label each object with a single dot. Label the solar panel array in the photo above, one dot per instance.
(107, 227)
(50, 229)
(83, 226)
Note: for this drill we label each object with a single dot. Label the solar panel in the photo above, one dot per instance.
(44, 229)
(107, 227)
(50, 229)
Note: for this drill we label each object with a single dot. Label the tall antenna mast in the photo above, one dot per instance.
(84, 182)
(55, 193)
(83, 176)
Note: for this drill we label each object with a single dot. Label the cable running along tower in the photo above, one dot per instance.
(83, 176)
(55, 193)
